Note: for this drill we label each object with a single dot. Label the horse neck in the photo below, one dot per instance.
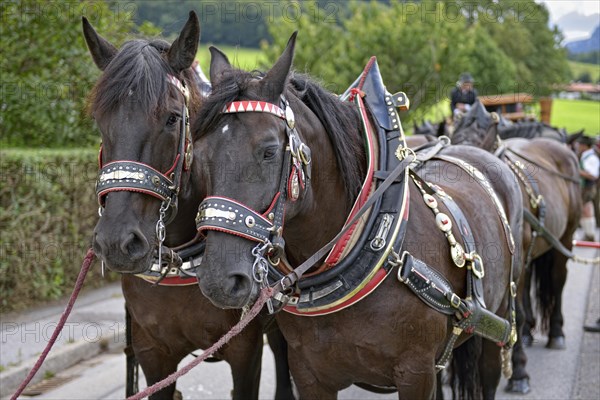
(324, 210)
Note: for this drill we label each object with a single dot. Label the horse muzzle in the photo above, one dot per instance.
(124, 251)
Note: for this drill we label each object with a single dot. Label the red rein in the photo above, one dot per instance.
(87, 262)
(265, 294)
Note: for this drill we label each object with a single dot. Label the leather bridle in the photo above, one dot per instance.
(135, 176)
(227, 215)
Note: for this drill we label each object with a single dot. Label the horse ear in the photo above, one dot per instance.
(275, 79)
(182, 52)
(219, 63)
(102, 50)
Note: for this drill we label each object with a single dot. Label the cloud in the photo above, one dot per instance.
(575, 21)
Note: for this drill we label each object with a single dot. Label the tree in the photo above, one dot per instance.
(423, 46)
(47, 70)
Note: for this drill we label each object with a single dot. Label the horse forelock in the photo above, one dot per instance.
(138, 74)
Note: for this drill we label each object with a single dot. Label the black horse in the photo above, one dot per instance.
(150, 183)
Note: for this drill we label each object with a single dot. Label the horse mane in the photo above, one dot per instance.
(340, 119)
(137, 73)
(530, 130)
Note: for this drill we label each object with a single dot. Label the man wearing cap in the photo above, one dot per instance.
(463, 95)
(589, 170)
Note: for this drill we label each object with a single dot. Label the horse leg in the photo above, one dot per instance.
(490, 369)
(245, 358)
(278, 345)
(415, 379)
(556, 336)
(529, 321)
(156, 363)
(519, 381)
(307, 383)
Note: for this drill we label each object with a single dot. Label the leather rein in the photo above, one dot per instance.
(135, 176)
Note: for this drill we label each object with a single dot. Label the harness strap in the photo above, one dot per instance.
(133, 176)
(529, 160)
(475, 269)
(539, 228)
(480, 179)
(290, 279)
(435, 291)
(536, 200)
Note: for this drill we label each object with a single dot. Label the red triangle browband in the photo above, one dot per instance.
(179, 85)
(253, 106)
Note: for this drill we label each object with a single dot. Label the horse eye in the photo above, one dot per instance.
(270, 153)
(172, 120)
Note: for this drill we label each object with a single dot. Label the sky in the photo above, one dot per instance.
(576, 19)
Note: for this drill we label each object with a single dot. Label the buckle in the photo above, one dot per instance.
(455, 300)
(477, 266)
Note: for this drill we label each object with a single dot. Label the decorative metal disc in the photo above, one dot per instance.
(295, 186)
(430, 200)
(289, 117)
(458, 255)
(443, 222)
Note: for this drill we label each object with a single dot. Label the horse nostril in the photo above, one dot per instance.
(98, 243)
(135, 245)
(238, 285)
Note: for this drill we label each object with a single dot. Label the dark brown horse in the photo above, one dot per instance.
(140, 107)
(548, 177)
(390, 338)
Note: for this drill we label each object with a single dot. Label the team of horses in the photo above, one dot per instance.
(297, 164)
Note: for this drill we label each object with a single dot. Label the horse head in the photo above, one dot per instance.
(477, 128)
(254, 132)
(141, 105)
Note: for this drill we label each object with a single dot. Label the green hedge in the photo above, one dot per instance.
(47, 214)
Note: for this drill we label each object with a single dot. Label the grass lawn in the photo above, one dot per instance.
(578, 68)
(244, 58)
(576, 114)
(573, 115)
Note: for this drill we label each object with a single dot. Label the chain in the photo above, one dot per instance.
(585, 260)
(161, 230)
(260, 268)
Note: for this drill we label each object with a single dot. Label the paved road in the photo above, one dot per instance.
(573, 373)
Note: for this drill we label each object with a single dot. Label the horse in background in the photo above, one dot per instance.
(549, 180)
(529, 130)
(438, 129)
(140, 105)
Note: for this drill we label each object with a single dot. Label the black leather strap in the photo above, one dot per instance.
(535, 224)
(133, 176)
(226, 215)
(529, 160)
